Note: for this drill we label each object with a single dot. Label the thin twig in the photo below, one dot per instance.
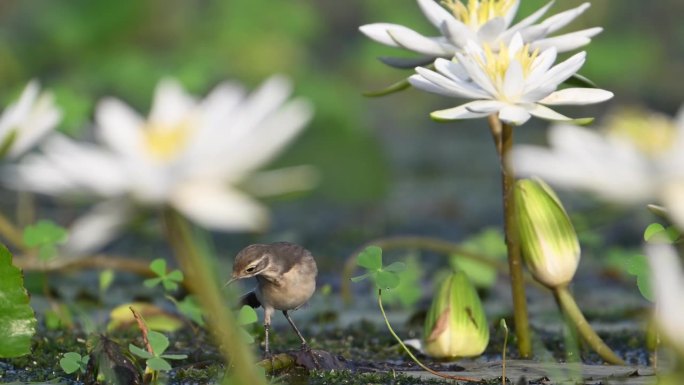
(143, 329)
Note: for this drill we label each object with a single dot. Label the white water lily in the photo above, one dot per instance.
(24, 123)
(484, 22)
(515, 83)
(187, 154)
(667, 279)
(636, 158)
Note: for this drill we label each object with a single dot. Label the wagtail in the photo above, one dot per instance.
(286, 279)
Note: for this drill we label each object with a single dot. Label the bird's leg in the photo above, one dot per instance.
(305, 346)
(267, 329)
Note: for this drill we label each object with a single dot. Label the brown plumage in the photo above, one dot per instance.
(286, 279)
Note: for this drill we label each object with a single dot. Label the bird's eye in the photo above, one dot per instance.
(250, 269)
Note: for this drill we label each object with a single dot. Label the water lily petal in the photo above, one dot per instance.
(541, 65)
(119, 127)
(458, 88)
(435, 13)
(42, 118)
(529, 20)
(416, 42)
(559, 73)
(379, 32)
(560, 20)
(569, 41)
(422, 83)
(478, 76)
(514, 81)
(99, 226)
(215, 207)
(485, 106)
(171, 104)
(512, 11)
(457, 33)
(513, 114)
(457, 113)
(668, 287)
(491, 30)
(577, 96)
(547, 113)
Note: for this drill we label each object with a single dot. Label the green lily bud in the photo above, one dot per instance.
(547, 239)
(456, 325)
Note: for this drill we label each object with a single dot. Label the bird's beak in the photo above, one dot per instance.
(231, 281)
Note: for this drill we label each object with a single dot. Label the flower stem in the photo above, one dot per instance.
(11, 233)
(396, 337)
(201, 279)
(574, 314)
(502, 134)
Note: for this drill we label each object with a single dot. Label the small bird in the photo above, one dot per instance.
(286, 279)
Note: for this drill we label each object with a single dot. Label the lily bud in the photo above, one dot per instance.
(547, 239)
(456, 325)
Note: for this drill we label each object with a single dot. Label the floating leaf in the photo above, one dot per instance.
(396, 267)
(17, 320)
(45, 235)
(158, 266)
(158, 363)
(72, 362)
(142, 353)
(158, 342)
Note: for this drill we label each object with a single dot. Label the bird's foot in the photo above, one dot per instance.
(306, 348)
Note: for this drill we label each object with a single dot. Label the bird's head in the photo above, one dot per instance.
(251, 261)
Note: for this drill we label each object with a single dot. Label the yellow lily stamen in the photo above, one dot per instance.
(165, 142)
(478, 12)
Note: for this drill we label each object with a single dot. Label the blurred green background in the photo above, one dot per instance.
(385, 166)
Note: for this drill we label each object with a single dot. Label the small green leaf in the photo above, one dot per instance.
(158, 342)
(152, 282)
(503, 325)
(175, 275)
(158, 266)
(396, 267)
(652, 230)
(248, 338)
(360, 277)
(44, 232)
(159, 364)
(386, 280)
(70, 365)
(246, 316)
(370, 258)
(169, 285)
(139, 352)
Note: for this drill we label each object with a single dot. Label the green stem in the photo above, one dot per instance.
(202, 282)
(408, 351)
(503, 140)
(11, 233)
(574, 314)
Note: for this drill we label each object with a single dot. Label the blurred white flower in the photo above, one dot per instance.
(187, 154)
(27, 121)
(667, 279)
(514, 82)
(484, 22)
(636, 158)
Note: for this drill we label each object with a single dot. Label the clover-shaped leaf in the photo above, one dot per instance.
(45, 235)
(72, 362)
(157, 359)
(191, 309)
(384, 277)
(169, 280)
